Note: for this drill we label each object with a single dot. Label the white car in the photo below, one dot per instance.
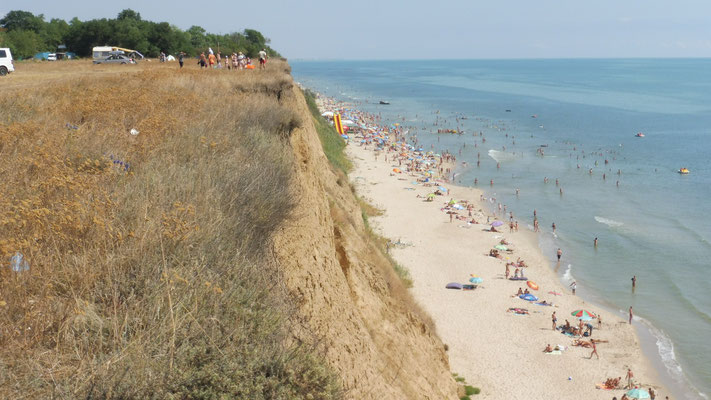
(6, 65)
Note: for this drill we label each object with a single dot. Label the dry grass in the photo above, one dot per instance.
(148, 277)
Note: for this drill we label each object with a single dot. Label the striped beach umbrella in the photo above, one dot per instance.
(583, 313)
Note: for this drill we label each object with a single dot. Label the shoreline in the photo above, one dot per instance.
(467, 340)
(465, 353)
(677, 383)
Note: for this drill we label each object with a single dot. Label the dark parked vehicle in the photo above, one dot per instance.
(116, 59)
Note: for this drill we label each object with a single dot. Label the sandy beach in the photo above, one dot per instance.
(499, 351)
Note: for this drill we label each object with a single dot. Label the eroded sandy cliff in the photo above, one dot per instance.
(347, 292)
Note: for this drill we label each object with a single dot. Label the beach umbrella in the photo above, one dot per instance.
(583, 313)
(528, 297)
(431, 195)
(397, 170)
(454, 285)
(585, 318)
(442, 188)
(497, 223)
(501, 247)
(327, 114)
(476, 279)
(637, 393)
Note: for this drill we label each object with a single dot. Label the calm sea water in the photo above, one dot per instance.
(656, 224)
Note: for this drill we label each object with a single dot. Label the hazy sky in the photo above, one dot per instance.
(422, 29)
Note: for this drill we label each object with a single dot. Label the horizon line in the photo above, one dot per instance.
(316, 59)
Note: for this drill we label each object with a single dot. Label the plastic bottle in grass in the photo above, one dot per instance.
(18, 263)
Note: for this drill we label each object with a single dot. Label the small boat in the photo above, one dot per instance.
(639, 134)
(683, 171)
(384, 102)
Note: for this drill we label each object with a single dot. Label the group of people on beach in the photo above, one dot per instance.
(416, 162)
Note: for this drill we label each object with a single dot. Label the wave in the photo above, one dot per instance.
(567, 275)
(500, 156)
(665, 347)
(609, 222)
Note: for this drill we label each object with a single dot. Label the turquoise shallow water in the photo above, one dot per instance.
(656, 224)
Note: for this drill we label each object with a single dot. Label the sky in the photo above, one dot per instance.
(430, 29)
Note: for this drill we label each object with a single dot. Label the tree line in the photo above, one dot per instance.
(27, 34)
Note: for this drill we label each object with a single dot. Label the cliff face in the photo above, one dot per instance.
(347, 293)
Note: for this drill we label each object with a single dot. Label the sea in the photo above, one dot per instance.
(563, 133)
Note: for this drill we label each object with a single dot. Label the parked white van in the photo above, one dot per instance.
(6, 65)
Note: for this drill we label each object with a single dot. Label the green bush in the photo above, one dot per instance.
(332, 143)
(470, 390)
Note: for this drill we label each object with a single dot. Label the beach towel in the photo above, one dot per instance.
(540, 304)
(518, 279)
(555, 353)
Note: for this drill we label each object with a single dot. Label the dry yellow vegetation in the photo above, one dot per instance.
(149, 277)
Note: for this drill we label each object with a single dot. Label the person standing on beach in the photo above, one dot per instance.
(559, 253)
(553, 226)
(595, 243)
(575, 285)
(555, 319)
(634, 281)
(592, 341)
(630, 378)
(631, 314)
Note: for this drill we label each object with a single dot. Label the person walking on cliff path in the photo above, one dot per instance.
(262, 59)
(181, 55)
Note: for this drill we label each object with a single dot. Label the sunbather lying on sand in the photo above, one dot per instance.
(582, 343)
(520, 311)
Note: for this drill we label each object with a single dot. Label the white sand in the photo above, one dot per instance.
(493, 349)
